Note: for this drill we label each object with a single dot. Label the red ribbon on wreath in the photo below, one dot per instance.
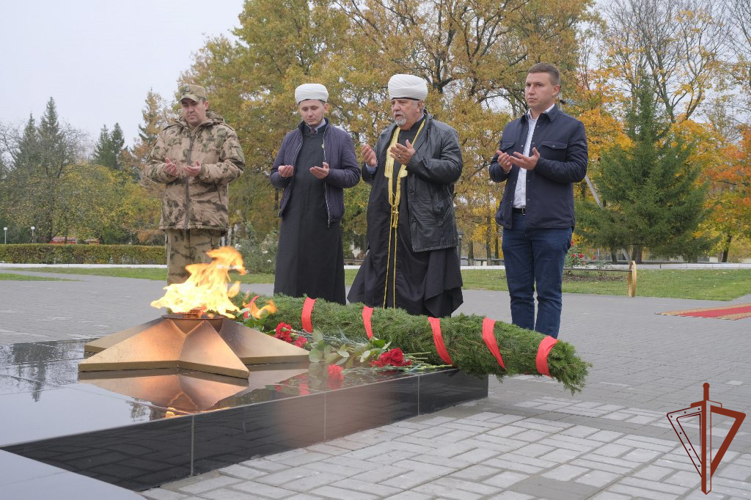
(435, 324)
(367, 312)
(489, 337)
(307, 314)
(542, 354)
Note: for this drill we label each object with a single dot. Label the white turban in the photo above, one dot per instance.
(311, 91)
(408, 87)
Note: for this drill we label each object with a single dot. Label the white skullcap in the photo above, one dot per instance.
(408, 87)
(311, 91)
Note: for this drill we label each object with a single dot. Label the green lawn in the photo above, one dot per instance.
(21, 277)
(707, 284)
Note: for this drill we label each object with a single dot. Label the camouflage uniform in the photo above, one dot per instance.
(194, 209)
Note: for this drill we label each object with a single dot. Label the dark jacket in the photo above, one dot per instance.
(338, 152)
(562, 144)
(433, 170)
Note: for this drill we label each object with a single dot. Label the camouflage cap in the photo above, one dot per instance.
(192, 92)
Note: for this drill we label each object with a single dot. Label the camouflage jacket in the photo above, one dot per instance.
(198, 202)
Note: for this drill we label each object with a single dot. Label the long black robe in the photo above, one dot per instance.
(310, 260)
(427, 283)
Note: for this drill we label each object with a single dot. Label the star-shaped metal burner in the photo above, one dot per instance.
(211, 345)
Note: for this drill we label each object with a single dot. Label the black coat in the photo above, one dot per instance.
(339, 153)
(433, 170)
(562, 144)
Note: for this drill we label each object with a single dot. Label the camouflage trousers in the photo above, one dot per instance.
(186, 247)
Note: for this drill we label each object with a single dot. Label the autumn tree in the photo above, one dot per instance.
(676, 44)
(473, 53)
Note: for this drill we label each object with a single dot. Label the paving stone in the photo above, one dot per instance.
(653, 485)
(534, 450)
(572, 443)
(379, 474)
(454, 449)
(162, 494)
(506, 419)
(580, 431)
(475, 472)
(735, 471)
(476, 455)
(684, 478)
(653, 473)
(444, 492)
(366, 487)
(432, 469)
(410, 495)
(340, 470)
(327, 449)
(565, 472)
(286, 476)
(561, 455)
(531, 435)
(597, 478)
(265, 465)
(471, 486)
(506, 431)
(483, 416)
(605, 436)
(511, 495)
(640, 456)
(227, 494)
(343, 494)
(543, 487)
(209, 484)
(307, 483)
(353, 463)
(608, 495)
(263, 490)
(242, 472)
(411, 479)
(392, 457)
(505, 479)
(641, 492)
(613, 450)
(594, 464)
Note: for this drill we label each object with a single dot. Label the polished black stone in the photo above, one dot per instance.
(25, 479)
(140, 429)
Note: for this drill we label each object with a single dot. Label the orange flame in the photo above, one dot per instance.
(257, 312)
(206, 288)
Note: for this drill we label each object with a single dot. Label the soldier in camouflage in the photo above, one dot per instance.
(196, 157)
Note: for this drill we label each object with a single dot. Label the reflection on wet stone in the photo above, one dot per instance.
(142, 428)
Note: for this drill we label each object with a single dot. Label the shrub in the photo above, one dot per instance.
(82, 254)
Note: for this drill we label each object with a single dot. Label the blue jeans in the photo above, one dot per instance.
(535, 257)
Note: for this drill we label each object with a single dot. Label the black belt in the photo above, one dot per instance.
(522, 211)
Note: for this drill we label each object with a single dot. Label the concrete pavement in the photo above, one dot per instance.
(529, 439)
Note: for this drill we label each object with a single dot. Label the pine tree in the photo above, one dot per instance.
(109, 147)
(650, 190)
(117, 144)
(102, 148)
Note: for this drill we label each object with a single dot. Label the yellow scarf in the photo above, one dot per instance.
(394, 200)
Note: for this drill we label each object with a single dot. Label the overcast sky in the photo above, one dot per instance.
(99, 58)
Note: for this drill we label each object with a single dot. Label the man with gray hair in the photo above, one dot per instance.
(196, 157)
(411, 261)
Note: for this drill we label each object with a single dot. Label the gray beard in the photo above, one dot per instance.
(400, 121)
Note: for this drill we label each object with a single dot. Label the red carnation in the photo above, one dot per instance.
(300, 341)
(581, 255)
(283, 331)
(393, 357)
(336, 377)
